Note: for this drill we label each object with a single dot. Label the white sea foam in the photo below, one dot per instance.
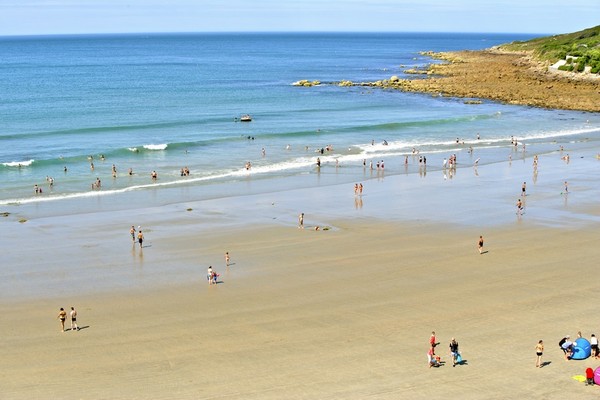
(18, 163)
(155, 146)
(393, 147)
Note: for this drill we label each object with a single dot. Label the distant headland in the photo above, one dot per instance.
(561, 72)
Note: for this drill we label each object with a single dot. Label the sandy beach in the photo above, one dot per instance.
(338, 313)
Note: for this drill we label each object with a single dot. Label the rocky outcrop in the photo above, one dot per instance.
(306, 83)
(514, 78)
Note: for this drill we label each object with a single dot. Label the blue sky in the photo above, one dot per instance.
(27, 17)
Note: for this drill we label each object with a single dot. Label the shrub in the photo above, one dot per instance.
(580, 66)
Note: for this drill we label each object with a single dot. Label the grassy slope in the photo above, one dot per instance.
(585, 43)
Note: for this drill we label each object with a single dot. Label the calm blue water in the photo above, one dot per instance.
(162, 102)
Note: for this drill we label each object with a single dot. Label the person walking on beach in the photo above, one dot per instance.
(539, 351)
(73, 313)
(227, 258)
(301, 221)
(566, 187)
(454, 351)
(519, 207)
(480, 245)
(62, 316)
(523, 188)
(132, 232)
(432, 341)
(140, 237)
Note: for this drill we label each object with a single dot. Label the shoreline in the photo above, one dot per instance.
(84, 244)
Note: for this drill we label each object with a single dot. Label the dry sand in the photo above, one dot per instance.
(331, 314)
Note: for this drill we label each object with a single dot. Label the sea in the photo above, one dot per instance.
(162, 102)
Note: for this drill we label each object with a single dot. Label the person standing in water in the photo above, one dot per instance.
(301, 221)
(140, 237)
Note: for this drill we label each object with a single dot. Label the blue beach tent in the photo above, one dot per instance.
(581, 349)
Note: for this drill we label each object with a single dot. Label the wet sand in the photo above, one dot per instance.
(341, 313)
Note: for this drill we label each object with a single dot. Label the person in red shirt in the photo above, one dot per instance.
(432, 341)
(589, 376)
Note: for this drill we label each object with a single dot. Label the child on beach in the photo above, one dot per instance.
(212, 276)
(589, 376)
(431, 358)
(227, 258)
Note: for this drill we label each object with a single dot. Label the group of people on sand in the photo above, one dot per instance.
(358, 188)
(568, 346)
(434, 360)
(450, 163)
(62, 317)
(137, 234)
(212, 276)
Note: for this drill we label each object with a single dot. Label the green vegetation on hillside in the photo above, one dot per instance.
(584, 45)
